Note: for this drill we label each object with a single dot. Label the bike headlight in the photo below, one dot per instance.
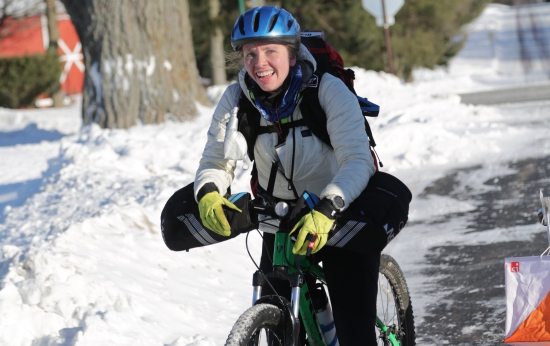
(281, 209)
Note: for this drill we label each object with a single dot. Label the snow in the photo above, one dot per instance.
(82, 261)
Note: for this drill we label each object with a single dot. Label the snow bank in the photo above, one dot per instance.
(83, 258)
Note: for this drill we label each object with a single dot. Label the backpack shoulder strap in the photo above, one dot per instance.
(249, 123)
(313, 114)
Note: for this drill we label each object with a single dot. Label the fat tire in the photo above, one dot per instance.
(257, 317)
(391, 270)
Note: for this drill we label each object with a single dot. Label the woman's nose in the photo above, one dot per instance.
(260, 59)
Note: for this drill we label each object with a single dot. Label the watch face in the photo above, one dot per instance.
(338, 202)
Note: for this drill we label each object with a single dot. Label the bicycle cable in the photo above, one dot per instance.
(257, 267)
(248, 250)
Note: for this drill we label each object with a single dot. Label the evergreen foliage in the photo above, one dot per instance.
(23, 79)
(426, 33)
(203, 28)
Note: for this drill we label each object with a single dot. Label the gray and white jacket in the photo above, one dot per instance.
(343, 170)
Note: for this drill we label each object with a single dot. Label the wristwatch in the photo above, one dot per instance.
(330, 206)
(338, 202)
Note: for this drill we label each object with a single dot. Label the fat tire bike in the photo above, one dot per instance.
(273, 320)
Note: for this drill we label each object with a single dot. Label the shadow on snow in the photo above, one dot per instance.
(29, 135)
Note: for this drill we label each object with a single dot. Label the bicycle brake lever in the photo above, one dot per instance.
(312, 239)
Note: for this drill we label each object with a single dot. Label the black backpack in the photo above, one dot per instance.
(328, 61)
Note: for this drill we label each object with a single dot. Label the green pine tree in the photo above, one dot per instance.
(426, 33)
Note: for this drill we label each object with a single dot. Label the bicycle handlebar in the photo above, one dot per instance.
(281, 211)
(262, 209)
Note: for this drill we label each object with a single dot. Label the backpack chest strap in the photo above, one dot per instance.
(283, 128)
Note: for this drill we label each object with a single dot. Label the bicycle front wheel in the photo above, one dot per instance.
(259, 325)
(393, 305)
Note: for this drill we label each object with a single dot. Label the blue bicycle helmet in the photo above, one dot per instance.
(265, 23)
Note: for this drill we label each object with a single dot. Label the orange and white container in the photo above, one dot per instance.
(527, 282)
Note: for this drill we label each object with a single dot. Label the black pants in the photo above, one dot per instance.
(352, 280)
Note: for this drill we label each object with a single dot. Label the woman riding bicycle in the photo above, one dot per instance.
(290, 160)
(276, 69)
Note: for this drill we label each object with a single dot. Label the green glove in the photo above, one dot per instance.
(212, 215)
(311, 223)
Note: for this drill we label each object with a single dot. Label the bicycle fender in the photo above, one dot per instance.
(290, 324)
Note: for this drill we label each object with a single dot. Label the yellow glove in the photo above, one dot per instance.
(311, 223)
(212, 215)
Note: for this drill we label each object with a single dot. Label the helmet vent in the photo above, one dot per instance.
(272, 23)
(256, 22)
(241, 26)
(289, 24)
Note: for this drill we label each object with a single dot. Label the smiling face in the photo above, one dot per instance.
(267, 63)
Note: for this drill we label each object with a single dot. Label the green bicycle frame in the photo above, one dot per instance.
(283, 257)
(384, 329)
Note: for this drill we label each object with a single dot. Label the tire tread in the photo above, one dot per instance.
(391, 270)
(251, 320)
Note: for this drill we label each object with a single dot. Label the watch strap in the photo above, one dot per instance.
(326, 208)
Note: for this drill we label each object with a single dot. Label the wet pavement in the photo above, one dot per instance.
(521, 94)
(473, 311)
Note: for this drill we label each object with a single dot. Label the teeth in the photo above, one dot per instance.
(263, 74)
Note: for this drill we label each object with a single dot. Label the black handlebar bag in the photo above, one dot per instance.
(181, 224)
(374, 218)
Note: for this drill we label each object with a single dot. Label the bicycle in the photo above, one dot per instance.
(273, 320)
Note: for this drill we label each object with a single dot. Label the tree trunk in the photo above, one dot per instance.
(217, 57)
(53, 32)
(139, 58)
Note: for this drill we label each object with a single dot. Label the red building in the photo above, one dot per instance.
(29, 35)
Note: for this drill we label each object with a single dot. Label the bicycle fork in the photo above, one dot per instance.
(296, 281)
(256, 288)
(290, 309)
(295, 301)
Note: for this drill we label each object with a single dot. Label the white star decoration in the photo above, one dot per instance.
(69, 58)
